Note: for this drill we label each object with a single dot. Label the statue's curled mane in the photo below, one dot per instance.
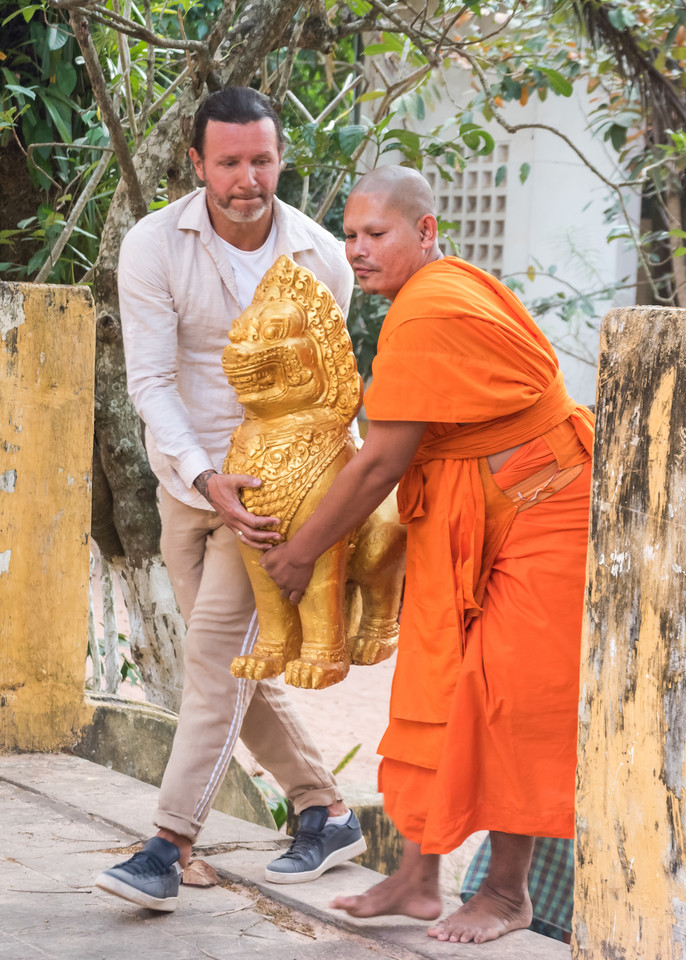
(325, 324)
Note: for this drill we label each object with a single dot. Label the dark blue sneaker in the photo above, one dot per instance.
(150, 878)
(317, 847)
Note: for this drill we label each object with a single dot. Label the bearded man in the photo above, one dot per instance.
(185, 273)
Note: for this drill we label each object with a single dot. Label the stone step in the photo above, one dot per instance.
(238, 850)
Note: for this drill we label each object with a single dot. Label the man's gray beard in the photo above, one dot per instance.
(243, 216)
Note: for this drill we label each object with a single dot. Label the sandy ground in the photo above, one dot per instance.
(349, 713)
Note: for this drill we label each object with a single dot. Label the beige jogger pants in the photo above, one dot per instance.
(216, 601)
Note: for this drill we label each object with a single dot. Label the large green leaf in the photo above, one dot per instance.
(408, 138)
(26, 12)
(56, 36)
(59, 114)
(474, 135)
(21, 91)
(557, 81)
(65, 77)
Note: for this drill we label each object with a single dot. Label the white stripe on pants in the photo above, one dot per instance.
(215, 598)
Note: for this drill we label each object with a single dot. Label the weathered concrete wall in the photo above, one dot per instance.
(136, 739)
(47, 341)
(630, 900)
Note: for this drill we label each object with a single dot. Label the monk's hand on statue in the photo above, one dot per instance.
(290, 573)
(222, 491)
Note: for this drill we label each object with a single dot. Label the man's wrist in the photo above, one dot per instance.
(201, 483)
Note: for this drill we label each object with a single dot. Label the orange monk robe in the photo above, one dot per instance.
(482, 731)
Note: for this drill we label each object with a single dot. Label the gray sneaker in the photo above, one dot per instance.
(150, 878)
(317, 847)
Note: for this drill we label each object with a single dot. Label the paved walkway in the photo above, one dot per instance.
(64, 820)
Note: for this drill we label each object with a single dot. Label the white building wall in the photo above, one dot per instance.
(555, 217)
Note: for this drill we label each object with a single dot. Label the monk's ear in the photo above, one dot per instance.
(428, 231)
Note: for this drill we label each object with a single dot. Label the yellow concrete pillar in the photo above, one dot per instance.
(630, 898)
(47, 342)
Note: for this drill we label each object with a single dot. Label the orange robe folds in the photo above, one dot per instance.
(482, 731)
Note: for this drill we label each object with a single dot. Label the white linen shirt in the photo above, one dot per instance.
(178, 299)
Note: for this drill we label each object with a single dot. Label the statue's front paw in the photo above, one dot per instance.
(257, 668)
(315, 674)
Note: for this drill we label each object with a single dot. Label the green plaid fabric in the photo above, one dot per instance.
(551, 883)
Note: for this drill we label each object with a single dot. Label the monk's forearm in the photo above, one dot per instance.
(353, 496)
(360, 487)
(355, 493)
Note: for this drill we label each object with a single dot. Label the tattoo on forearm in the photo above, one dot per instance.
(201, 481)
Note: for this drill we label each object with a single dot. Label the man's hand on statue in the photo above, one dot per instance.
(222, 491)
(290, 574)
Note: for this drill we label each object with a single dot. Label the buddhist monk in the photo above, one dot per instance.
(468, 411)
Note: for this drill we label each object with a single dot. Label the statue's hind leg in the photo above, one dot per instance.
(378, 566)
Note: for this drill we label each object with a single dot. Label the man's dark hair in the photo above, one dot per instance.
(234, 105)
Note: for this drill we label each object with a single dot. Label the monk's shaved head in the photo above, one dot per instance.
(390, 229)
(403, 189)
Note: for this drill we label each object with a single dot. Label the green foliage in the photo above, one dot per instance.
(337, 108)
(45, 93)
(365, 317)
(129, 672)
(47, 107)
(277, 803)
(350, 755)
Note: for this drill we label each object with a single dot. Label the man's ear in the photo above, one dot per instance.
(196, 160)
(428, 230)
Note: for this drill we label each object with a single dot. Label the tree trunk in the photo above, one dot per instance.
(126, 523)
(125, 520)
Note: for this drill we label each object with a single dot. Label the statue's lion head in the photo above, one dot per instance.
(290, 349)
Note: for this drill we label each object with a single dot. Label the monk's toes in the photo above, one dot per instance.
(349, 904)
(453, 933)
(439, 932)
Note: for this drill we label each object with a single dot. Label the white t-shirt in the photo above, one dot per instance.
(178, 297)
(249, 266)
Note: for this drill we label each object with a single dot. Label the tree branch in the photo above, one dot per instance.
(146, 109)
(615, 187)
(258, 32)
(125, 61)
(418, 37)
(69, 225)
(366, 24)
(114, 21)
(287, 68)
(82, 33)
(221, 27)
(168, 91)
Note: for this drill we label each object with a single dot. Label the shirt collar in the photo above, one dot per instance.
(292, 237)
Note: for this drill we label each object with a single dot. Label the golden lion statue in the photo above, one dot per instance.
(291, 363)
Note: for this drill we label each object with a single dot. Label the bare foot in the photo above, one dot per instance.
(393, 896)
(486, 916)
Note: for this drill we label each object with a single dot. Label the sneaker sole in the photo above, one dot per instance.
(338, 856)
(127, 892)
